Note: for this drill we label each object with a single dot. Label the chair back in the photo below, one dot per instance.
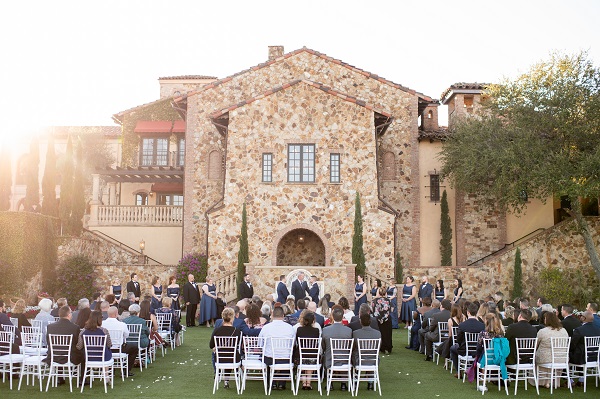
(14, 321)
(177, 313)
(282, 349)
(368, 352)
(31, 330)
(60, 348)
(149, 324)
(592, 352)
(341, 351)
(32, 343)
(309, 350)
(560, 349)
(12, 329)
(526, 348)
(226, 349)
(6, 339)
(454, 334)
(135, 332)
(164, 321)
(471, 343)
(443, 331)
(94, 347)
(253, 348)
(56, 319)
(116, 340)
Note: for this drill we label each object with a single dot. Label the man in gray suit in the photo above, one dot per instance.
(425, 326)
(433, 334)
(365, 332)
(337, 330)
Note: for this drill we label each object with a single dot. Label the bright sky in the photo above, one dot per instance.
(79, 62)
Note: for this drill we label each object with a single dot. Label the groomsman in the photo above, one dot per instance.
(425, 290)
(282, 290)
(134, 286)
(299, 287)
(246, 290)
(314, 289)
(191, 296)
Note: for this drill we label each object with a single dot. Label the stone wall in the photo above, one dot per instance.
(102, 252)
(560, 246)
(145, 272)
(203, 195)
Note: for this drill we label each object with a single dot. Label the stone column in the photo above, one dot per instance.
(112, 193)
(94, 203)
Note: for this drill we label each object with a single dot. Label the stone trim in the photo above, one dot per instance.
(304, 226)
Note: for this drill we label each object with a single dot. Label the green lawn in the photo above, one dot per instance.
(187, 372)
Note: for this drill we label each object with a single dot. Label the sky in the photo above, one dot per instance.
(79, 62)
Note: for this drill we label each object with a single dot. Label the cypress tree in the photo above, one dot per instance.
(49, 201)
(5, 179)
(446, 233)
(78, 209)
(398, 268)
(243, 252)
(32, 190)
(66, 190)
(517, 276)
(358, 254)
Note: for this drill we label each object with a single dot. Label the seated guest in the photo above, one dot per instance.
(365, 332)
(569, 321)
(337, 330)
(484, 309)
(534, 317)
(288, 315)
(18, 311)
(82, 303)
(493, 329)
(254, 317)
(329, 321)
(241, 304)
(64, 326)
(266, 311)
(323, 308)
(175, 326)
(300, 306)
(124, 309)
(553, 329)
(221, 304)
(434, 332)
(112, 323)
(146, 315)
(134, 318)
(112, 300)
(96, 300)
(307, 327)
(499, 298)
(83, 316)
(60, 302)
(471, 325)
(435, 309)
(416, 325)
(328, 299)
(226, 329)
(343, 302)
(521, 329)
(577, 349)
(277, 328)
(45, 317)
(5, 320)
(312, 306)
(593, 308)
(104, 305)
(364, 308)
(291, 303)
(509, 315)
(94, 327)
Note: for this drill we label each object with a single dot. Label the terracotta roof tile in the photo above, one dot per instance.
(317, 85)
(440, 134)
(463, 86)
(316, 53)
(180, 77)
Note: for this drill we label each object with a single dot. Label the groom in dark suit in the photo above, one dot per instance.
(282, 290)
(246, 290)
(191, 296)
(299, 287)
(134, 286)
(314, 289)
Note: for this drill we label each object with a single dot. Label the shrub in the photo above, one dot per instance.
(193, 263)
(572, 286)
(77, 278)
(398, 268)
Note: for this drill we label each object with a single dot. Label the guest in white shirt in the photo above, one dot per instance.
(277, 328)
(113, 324)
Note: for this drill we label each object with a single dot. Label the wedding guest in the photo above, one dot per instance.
(45, 317)
(381, 311)
(60, 302)
(18, 311)
(115, 288)
(543, 354)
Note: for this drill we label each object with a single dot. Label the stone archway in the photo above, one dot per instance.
(301, 245)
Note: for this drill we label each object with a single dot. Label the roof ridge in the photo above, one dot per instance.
(318, 85)
(291, 54)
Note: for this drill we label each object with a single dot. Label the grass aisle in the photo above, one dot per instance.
(187, 372)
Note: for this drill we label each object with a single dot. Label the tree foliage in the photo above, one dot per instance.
(358, 253)
(446, 232)
(398, 268)
(32, 190)
(243, 256)
(517, 290)
(538, 135)
(5, 179)
(49, 201)
(67, 189)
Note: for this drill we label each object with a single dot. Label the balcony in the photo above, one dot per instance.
(132, 215)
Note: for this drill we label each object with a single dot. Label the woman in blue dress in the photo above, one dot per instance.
(116, 289)
(157, 290)
(392, 294)
(439, 291)
(173, 292)
(458, 291)
(409, 303)
(376, 288)
(208, 305)
(360, 293)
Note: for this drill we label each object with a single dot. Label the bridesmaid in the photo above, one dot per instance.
(458, 291)
(439, 290)
(360, 293)
(376, 288)
(116, 289)
(409, 303)
(208, 304)
(157, 290)
(173, 292)
(392, 296)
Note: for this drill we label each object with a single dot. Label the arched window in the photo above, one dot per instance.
(215, 164)
(141, 199)
(429, 114)
(389, 166)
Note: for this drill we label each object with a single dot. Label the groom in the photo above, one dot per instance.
(134, 286)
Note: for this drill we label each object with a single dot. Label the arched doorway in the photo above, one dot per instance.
(301, 247)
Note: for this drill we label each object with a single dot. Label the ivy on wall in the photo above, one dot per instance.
(158, 111)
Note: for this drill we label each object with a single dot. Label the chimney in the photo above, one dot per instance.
(275, 51)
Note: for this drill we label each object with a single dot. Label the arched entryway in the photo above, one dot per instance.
(301, 245)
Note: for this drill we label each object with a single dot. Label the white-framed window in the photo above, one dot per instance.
(155, 151)
(301, 163)
(170, 199)
(334, 167)
(267, 167)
